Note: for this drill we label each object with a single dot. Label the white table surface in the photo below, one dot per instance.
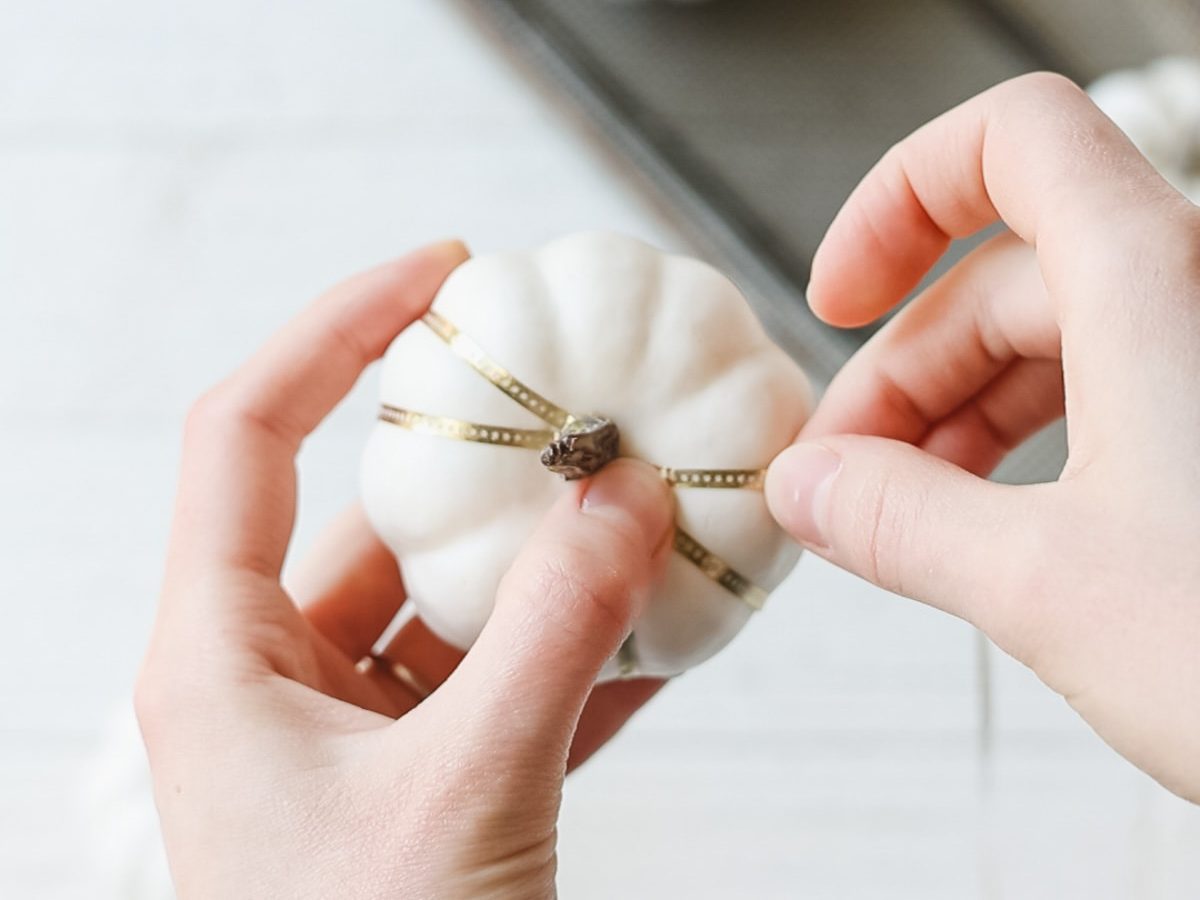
(175, 181)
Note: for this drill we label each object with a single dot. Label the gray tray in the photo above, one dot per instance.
(753, 119)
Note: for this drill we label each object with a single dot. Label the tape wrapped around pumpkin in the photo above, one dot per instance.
(523, 352)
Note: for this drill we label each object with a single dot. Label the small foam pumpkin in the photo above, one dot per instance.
(534, 364)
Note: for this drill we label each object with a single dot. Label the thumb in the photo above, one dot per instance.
(909, 522)
(564, 608)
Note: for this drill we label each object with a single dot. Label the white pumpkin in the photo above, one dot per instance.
(601, 324)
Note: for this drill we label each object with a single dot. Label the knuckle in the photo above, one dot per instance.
(888, 524)
(173, 688)
(171, 698)
(590, 588)
(1050, 87)
(210, 410)
(1052, 110)
(227, 408)
(877, 522)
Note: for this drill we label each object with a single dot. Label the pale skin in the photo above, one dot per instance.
(280, 771)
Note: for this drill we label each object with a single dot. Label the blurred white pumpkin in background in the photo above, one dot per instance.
(600, 324)
(1159, 108)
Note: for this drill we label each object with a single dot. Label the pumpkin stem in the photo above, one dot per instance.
(583, 447)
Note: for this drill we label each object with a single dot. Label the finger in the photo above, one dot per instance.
(411, 656)
(348, 585)
(944, 347)
(910, 522)
(1021, 401)
(562, 611)
(237, 486)
(350, 589)
(1034, 152)
(607, 710)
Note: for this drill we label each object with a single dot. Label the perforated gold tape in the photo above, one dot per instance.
(457, 429)
(719, 570)
(473, 354)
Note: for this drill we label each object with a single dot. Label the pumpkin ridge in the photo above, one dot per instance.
(670, 381)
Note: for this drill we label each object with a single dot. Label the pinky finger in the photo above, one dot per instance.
(348, 585)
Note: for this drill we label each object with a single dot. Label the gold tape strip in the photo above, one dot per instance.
(457, 429)
(744, 479)
(473, 354)
(719, 571)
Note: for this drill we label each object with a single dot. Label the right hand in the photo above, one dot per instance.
(1090, 307)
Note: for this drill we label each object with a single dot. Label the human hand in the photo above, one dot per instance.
(280, 770)
(1090, 306)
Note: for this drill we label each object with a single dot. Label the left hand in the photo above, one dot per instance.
(279, 770)
(1088, 308)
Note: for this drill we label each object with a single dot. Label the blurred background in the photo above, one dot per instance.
(176, 180)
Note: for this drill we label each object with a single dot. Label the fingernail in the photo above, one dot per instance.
(797, 490)
(627, 490)
(452, 247)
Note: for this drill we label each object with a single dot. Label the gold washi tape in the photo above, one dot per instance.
(468, 350)
(711, 565)
(718, 570)
(745, 479)
(457, 429)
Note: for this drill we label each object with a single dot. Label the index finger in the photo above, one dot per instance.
(237, 490)
(1034, 152)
